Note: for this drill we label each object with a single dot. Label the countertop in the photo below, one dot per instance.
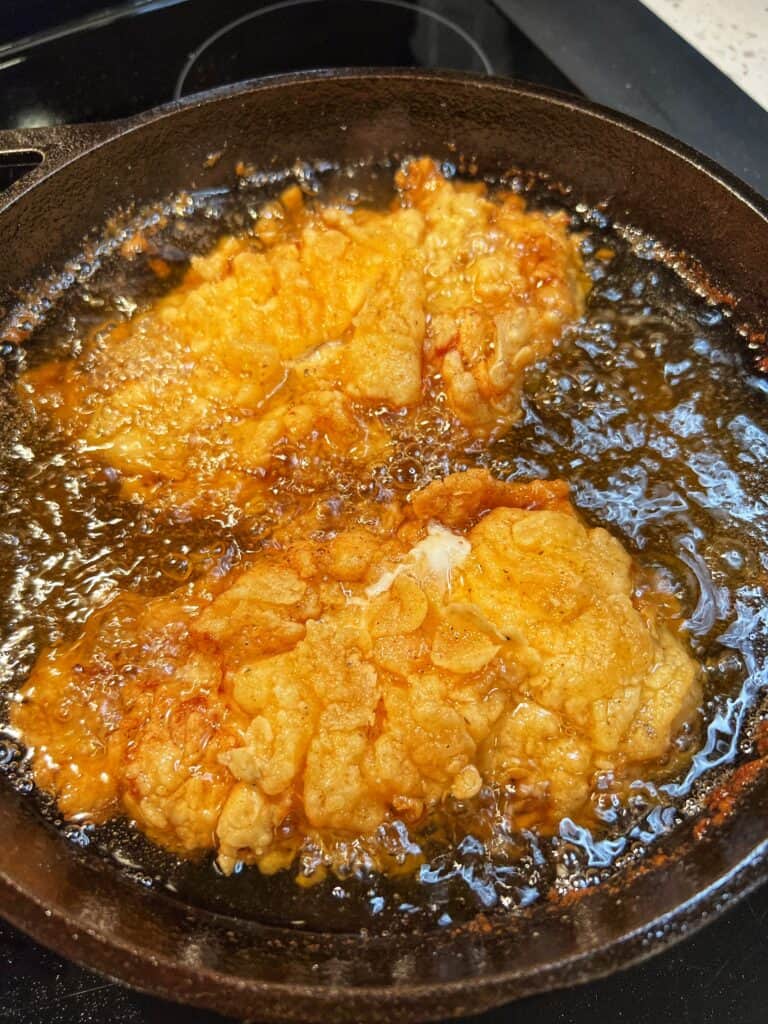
(733, 35)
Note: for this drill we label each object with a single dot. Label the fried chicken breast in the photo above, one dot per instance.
(341, 678)
(281, 347)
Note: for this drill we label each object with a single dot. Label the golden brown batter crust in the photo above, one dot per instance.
(348, 675)
(279, 348)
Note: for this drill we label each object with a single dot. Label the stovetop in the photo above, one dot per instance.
(112, 63)
(82, 60)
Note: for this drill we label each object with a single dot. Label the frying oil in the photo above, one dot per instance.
(648, 407)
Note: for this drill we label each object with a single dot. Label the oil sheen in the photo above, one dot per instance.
(648, 408)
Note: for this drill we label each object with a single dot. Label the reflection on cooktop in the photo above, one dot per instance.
(299, 34)
(115, 62)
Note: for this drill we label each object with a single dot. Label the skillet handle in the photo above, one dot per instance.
(32, 153)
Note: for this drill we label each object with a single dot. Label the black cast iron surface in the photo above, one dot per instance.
(716, 976)
(93, 917)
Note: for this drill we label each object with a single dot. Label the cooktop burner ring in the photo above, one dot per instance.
(436, 16)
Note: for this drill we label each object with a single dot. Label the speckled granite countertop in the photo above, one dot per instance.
(732, 34)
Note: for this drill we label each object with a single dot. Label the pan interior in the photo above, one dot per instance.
(649, 408)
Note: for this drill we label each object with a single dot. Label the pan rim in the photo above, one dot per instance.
(627, 950)
(106, 131)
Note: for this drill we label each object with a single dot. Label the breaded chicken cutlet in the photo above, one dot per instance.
(353, 673)
(281, 348)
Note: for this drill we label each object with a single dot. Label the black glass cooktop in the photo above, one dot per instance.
(81, 60)
(109, 63)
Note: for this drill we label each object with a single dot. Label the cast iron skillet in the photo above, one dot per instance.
(83, 909)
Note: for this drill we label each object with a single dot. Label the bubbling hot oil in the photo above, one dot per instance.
(647, 408)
